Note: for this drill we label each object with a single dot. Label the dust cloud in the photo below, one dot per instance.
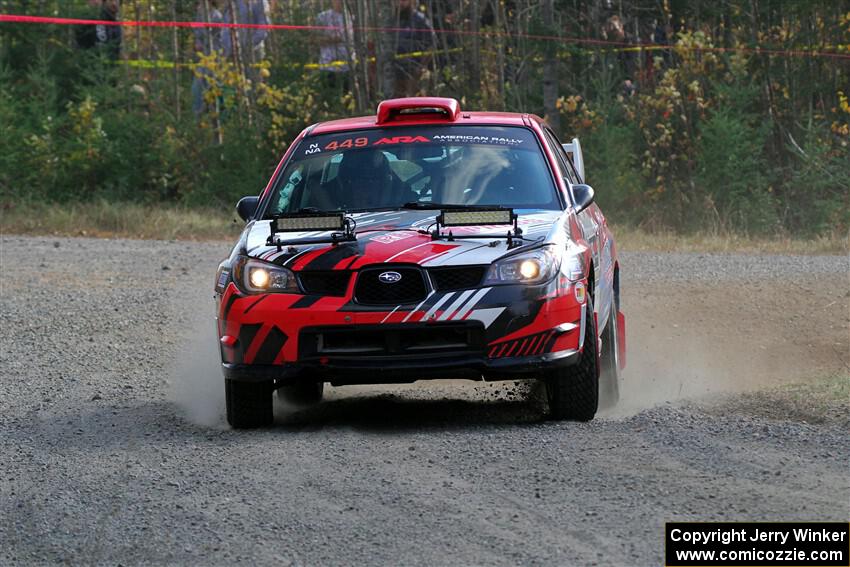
(692, 342)
(670, 366)
(196, 384)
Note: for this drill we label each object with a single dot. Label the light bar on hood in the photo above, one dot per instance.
(476, 217)
(306, 222)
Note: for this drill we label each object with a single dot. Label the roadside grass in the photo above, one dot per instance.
(131, 220)
(827, 389)
(638, 240)
(125, 220)
(822, 399)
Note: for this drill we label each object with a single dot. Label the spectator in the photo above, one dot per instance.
(106, 38)
(207, 41)
(85, 36)
(109, 36)
(250, 44)
(661, 36)
(415, 34)
(334, 51)
(615, 31)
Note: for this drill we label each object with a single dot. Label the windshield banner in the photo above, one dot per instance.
(515, 137)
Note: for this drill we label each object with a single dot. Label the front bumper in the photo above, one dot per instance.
(492, 333)
(388, 370)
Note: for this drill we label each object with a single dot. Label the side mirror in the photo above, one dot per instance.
(246, 207)
(583, 195)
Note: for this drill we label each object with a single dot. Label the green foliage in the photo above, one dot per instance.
(109, 141)
(818, 192)
(711, 141)
(732, 173)
(614, 172)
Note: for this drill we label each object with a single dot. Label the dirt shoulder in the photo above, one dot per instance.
(114, 447)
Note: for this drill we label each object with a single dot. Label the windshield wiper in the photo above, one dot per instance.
(418, 205)
(372, 209)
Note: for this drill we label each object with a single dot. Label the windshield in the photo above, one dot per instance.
(416, 167)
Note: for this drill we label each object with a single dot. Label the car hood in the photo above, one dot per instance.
(393, 237)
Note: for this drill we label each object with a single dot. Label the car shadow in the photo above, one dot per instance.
(390, 413)
(107, 424)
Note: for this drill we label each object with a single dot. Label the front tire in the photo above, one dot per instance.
(573, 393)
(249, 404)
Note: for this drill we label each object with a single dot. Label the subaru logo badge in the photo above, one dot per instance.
(389, 277)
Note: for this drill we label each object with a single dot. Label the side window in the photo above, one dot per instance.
(553, 145)
(570, 165)
(572, 168)
(564, 158)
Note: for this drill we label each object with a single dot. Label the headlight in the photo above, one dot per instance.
(257, 277)
(530, 268)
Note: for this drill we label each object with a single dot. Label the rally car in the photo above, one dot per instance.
(422, 242)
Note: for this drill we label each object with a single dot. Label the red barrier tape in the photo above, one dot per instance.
(14, 18)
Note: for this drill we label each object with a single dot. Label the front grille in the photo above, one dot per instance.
(325, 283)
(392, 340)
(370, 290)
(450, 279)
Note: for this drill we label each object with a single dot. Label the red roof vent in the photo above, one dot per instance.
(418, 108)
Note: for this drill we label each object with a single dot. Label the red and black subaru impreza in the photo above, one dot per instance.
(424, 242)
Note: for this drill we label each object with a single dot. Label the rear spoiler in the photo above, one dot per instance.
(574, 150)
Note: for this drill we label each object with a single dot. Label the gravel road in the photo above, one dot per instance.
(114, 451)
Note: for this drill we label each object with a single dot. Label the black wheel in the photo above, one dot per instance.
(609, 361)
(573, 392)
(302, 393)
(249, 404)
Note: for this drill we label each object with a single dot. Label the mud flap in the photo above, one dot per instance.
(621, 339)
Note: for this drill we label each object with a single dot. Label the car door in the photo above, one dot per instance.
(595, 233)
